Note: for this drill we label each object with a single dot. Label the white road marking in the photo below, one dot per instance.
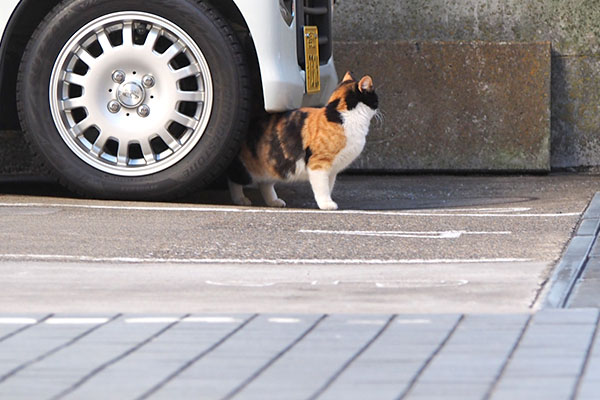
(75, 321)
(287, 261)
(151, 320)
(405, 234)
(17, 321)
(474, 212)
(212, 320)
(277, 320)
(412, 321)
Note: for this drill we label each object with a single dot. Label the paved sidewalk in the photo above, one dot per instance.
(553, 354)
(575, 281)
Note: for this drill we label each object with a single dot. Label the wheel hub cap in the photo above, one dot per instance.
(130, 94)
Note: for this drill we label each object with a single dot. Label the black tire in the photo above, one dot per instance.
(206, 161)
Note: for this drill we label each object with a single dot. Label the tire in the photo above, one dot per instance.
(133, 99)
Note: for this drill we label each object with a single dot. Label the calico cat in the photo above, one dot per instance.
(312, 144)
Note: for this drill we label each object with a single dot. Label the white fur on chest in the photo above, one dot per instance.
(356, 127)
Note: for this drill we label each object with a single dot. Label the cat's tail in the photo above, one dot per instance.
(237, 173)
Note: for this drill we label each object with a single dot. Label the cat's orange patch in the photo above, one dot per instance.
(324, 138)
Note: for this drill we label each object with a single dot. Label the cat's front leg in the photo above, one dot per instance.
(320, 183)
(237, 194)
(269, 195)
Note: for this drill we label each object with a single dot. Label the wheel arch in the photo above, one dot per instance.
(30, 13)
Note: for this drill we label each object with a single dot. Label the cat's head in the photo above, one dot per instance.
(350, 93)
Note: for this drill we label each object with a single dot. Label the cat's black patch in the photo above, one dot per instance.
(307, 155)
(237, 173)
(331, 112)
(370, 99)
(286, 145)
(355, 96)
(352, 98)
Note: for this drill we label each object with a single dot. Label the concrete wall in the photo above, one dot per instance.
(572, 27)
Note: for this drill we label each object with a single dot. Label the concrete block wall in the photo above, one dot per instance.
(571, 26)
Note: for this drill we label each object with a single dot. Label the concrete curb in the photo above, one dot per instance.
(573, 262)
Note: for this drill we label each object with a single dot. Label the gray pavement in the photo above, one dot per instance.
(553, 354)
(398, 296)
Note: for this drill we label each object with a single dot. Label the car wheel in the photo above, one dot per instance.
(135, 99)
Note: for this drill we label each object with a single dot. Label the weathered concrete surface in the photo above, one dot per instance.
(455, 106)
(571, 26)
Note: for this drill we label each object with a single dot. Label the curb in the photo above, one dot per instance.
(573, 262)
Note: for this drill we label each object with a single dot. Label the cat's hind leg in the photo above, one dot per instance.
(321, 184)
(237, 194)
(268, 193)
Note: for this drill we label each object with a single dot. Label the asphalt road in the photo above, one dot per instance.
(398, 244)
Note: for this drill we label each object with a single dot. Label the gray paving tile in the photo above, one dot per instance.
(392, 361)
(535, 388)
(448, 390)
(565, 316)
(141, 370)
(473, 357)
(23, 350)
(588, 227)
(11, 324)
(550, 356)
(64, 369)
(302, 371)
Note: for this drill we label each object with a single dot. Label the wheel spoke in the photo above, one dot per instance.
(104, 41)
(184, 120)
(75, 79)
(166, 136)
(128, 33)
(80, 127)
(98, 146)
(152, 38)
(147, 151)
(172, 51)
(74, 102)
(123, 153)
(190, 70)
(194, 97)
(86, 57)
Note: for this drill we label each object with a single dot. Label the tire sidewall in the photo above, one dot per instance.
(204, 162)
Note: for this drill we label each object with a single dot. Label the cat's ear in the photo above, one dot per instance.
(365, 84)
(347, 77)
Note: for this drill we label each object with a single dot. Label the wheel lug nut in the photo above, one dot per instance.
(143, 111)
(148, 81)
(114, 106)
(118, 76)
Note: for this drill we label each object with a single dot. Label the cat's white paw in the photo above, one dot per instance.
(328, 205)
(276, 203)
(242, 201)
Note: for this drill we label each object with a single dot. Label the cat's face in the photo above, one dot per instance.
(350, 93)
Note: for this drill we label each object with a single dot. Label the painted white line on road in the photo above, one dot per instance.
(276, 320)
(341, 261)
(212, 320)
(75, 321)
(404, 234)
(17, 321)
(475, 212)
(411, 321)
(151, 320)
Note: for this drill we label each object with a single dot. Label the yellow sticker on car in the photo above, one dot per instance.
(311, 54)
